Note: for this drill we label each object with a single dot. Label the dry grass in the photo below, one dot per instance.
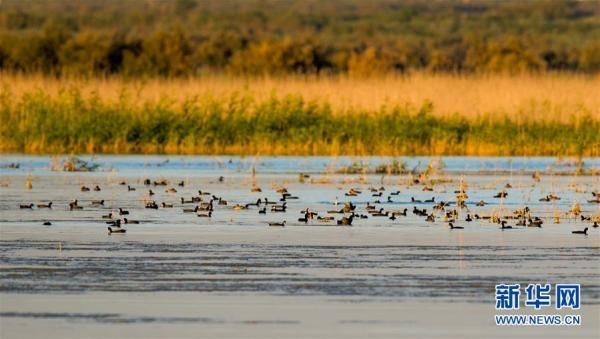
(548, 97)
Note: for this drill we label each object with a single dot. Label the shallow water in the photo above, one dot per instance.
(69, 274)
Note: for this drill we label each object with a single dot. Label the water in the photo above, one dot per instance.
(179, 275)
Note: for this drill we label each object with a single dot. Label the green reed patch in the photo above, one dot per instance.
(70, 122)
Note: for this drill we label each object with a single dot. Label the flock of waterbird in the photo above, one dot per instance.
(204, 204)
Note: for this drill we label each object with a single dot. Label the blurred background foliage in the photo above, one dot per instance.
(360, 38)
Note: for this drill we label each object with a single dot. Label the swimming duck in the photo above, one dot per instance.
(581, 232)
(502, 194)
(481, 203)
(97, 188)
(380, 213)
(112, 230)
(468, 219)
(47, 223)
(123, 212)
(108, 216)
(48, 205)
(419, 212)
(346, 221)
(262, 210)
(97, 203)
(74, 205)
(129, 188)
(127, 221)
(326, 218)
(162, 182)
(165, 205)
(351, 193)
(595, 224)
(85, 189)
(452, 227)
(239, 207)
(152, 205)
(537, 222)
(255, 189)
(26, 206)
(304, 219)
(279, 224)
(171, 190)
(504, 226)
(430, 200)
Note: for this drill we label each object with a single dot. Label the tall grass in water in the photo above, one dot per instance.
(272, 116)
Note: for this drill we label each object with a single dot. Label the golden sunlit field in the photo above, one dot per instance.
(542, 97)
(551, 114)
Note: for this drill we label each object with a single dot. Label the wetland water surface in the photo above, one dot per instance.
(231, 275)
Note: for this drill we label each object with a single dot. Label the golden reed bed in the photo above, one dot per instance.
(544, 97)
(551, 114)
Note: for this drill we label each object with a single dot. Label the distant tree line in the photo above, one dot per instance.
(189, 38)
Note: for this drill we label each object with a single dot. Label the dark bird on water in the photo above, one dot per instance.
(455, 227)
(112, 230)
(581, 232)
